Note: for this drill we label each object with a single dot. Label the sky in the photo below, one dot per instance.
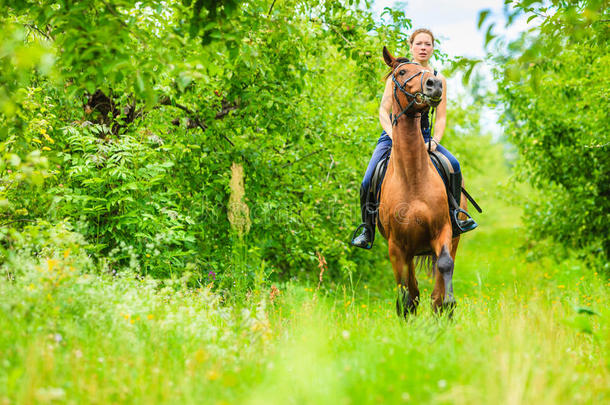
(455, 22)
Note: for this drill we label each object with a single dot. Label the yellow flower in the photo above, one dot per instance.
(46, 148)
(51, 263)
(36, 140)
(212, 375)
(150, 316)
(48, 138)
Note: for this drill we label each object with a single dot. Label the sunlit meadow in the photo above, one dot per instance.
(527, 329)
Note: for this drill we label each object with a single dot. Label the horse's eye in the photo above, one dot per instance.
(402, 72)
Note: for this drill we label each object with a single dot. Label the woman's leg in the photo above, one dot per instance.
(384, 144)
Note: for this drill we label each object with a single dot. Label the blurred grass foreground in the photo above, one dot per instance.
(525, 331)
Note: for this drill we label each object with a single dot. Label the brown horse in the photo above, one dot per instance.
(414, 211)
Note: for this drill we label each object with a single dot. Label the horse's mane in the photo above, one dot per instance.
(399, 60)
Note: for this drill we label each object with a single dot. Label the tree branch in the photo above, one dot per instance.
(303, 158)
(271, 8)
(35, 28)
(226, 109)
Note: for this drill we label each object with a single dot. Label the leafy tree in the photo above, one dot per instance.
(129, 116)
(553, 82)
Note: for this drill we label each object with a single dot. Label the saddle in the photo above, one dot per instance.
(444, 169)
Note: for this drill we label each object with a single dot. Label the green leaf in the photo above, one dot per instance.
(489, 35)
(586, 311)
(483, 14)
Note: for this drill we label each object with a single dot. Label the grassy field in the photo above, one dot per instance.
(525, 331)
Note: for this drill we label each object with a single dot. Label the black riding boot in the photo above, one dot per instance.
(462, 225)
(367, 227)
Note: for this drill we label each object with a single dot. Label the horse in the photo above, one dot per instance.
(413, 209)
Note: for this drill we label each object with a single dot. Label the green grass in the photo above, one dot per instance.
(517, 337)
(525, 331)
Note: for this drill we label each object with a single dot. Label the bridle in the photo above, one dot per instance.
(418, 98)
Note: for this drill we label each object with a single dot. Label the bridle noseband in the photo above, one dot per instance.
(418, 98)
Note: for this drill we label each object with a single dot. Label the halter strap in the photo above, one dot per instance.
(418, 98)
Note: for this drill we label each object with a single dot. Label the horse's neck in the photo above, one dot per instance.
(409, 150)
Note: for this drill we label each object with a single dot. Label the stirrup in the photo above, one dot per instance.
(464, 225)
(369, 244)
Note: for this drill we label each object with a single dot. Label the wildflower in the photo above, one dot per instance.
(273, 293)
(51, 263)
(150, 316)
(212, 375)
(212, 275)
(48, 138)
(46, 148)
(201, 356)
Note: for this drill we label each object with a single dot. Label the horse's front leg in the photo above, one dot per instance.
(404, 273)
(442, 295)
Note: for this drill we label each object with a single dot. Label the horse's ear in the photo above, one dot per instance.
(389, 59)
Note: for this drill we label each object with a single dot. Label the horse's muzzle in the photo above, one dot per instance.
(433, 89)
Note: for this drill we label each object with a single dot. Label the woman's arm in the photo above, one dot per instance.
(441, 114)
(386, 107)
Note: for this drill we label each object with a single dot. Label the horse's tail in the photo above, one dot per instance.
(426, 262)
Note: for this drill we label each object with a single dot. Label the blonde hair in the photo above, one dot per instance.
(421, 31)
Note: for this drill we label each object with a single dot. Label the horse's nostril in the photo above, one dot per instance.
(430, 82)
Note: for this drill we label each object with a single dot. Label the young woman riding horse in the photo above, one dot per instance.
(422, 49)
(414, 211)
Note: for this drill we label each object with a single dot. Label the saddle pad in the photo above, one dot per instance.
(440, 162)
(442, 165)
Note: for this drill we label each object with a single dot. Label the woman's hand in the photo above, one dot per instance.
(433, 146)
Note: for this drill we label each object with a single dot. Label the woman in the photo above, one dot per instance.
(422, 47)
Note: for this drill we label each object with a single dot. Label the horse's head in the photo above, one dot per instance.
(415, 88)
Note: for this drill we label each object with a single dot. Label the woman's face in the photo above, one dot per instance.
(422, 47)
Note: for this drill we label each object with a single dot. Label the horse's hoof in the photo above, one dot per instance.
(407, 307)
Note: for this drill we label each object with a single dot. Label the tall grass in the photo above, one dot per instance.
(526, 330)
